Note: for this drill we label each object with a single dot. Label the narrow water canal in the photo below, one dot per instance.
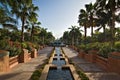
(59, 73)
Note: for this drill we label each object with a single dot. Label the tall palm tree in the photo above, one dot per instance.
(113, 6)
(66, 37)
(83, 21)
(72, 33)
(77, 34)
(103, 18)
(21, 9)
(33, 18)
(91, 11)
(43, 34)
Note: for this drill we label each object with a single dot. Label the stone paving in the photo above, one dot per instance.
(93, 71)
(23, 71)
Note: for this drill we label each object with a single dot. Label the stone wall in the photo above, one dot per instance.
(6, 62)
(102, 62)
(13, 61)
(114, 62)
(111, 64)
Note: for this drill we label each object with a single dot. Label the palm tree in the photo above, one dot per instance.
(50, 38)
(72, 33)
(43, 34)
(75, 33)
(91, 11)
(111, 6)
(6, 19)
(103, 17)
(83, 21)
(66, 37)
(33, 18)
(21, 9)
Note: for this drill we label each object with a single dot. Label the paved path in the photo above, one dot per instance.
(23, 71)
(93, 71)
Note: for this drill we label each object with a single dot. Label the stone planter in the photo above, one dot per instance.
(91, 56)
(13, 61)
(81, 54)
(4, 61)
(23, 57)
(114, 62)
(34, 53)
(102, 62)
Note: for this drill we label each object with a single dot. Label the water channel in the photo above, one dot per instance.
(59, 73)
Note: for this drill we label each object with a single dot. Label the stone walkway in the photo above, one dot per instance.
(93, 71)
(23, 71)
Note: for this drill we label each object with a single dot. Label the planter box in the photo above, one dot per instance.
(34, 53)
(24, 57)
(4, 61)
(13, 61)
(102, 62)
(29, 56)
(81, 54)
(92, 55)
(114, 62)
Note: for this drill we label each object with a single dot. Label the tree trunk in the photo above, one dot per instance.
(113, 28)
(85, 28)
(72, 40)
(92, 31)
(43, 40)
(91, 25)
(22, 33)
(32, 32)
(104, 32)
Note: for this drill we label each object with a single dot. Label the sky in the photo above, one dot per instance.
(58, 15)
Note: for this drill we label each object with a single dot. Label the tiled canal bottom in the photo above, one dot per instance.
(59, 73)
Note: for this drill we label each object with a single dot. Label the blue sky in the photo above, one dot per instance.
(58, 15)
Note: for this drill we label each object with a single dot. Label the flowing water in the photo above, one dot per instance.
(59, 73)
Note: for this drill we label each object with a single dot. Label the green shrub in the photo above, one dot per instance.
(95, 46)
(28, 46)
(117, 46)
(14, 51)
(24, 45)
(105, 50)
(82, 46)
(3, 44)
(82, 75)
(36, 74)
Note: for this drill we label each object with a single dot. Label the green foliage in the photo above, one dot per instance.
(90, 46)
(82, 75)
(105, 50)
(24, 45)
(36, 74)
(117, 46)
(82, 46)
(94, 46)
(14, 51)
(27, 45)
(3, 44)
